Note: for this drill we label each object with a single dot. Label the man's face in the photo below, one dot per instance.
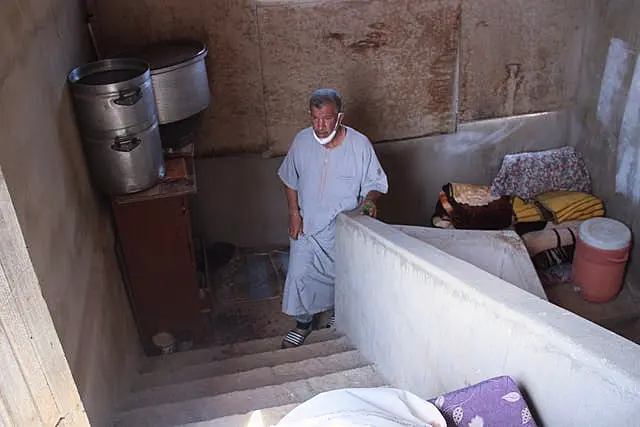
(324, 119)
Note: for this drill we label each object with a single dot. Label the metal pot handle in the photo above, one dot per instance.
(129, 98)
(125, 145)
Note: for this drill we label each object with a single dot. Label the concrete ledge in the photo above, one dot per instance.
(433, 323)
(501, 253)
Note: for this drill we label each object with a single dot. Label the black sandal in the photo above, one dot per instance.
(294, 338)
(331, 323)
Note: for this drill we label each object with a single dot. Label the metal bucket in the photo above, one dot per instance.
(113, 94)
(124, 163)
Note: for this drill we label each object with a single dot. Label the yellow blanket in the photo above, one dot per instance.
(571, 205)
(526, 212)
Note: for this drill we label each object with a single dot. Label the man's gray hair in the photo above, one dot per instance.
(322, 97)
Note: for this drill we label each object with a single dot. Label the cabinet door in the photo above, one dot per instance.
(158, 255)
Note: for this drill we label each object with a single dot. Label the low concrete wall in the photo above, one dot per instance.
(434, 323)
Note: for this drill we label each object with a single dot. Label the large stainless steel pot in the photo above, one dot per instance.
(113, 94)
(179, 78)
(124, 163)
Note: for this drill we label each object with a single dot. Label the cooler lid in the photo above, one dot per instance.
(605, 233)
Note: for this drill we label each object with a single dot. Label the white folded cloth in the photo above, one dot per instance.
(372, 407)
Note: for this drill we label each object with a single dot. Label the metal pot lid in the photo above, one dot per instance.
(171, 53)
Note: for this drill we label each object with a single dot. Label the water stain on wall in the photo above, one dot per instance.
(393, 61)
(628, 174)
(538, 45)
(614, 88)
(510, 85)
(373, 40)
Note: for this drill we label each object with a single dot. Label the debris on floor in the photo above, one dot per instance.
(247, 285)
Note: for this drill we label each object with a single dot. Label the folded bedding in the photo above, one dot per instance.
(471, 207)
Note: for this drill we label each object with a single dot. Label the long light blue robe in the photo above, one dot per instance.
(328, 181)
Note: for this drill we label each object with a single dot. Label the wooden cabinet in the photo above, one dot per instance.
(159, 263)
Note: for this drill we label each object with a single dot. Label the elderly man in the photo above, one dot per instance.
(330, 168)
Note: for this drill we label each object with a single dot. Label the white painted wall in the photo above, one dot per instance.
(434, 323)
(606, 113)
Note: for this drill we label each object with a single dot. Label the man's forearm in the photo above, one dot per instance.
(292, 200)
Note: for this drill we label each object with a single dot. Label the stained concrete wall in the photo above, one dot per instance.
(433, 323)
(241, 200)
(519, 56)
(407, 68)
(605, 120)
(65, 225)
(394, 61)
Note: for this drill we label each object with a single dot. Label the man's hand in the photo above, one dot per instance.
(295, 225)
(369, 208)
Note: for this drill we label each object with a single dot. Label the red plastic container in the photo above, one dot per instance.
(602, 251)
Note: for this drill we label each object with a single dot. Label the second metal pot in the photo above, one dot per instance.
(179, 78)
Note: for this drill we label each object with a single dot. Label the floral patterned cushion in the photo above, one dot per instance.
(528, 174)
(495, 402)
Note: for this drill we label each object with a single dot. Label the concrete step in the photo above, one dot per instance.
(175, 361)
(269, 417)
(242, 402)
(246, 380)
(242, 363)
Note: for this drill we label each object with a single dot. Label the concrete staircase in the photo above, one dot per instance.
(223, 386)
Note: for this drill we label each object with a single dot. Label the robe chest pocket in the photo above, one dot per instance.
(346, 177)
(345, 184)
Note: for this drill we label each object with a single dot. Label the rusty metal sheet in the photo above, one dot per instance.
(235, 121)
(393, 61)
(519, 56)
